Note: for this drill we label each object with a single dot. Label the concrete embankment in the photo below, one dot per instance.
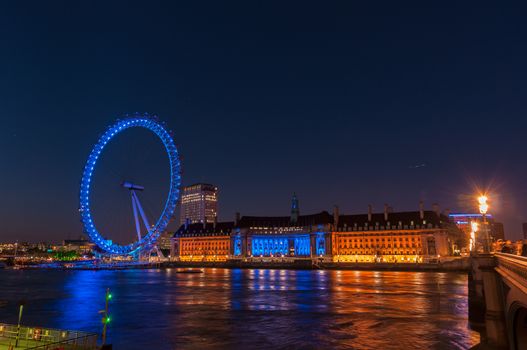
(458, 265)
(296, 265)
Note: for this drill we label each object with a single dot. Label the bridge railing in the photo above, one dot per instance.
(513, 267)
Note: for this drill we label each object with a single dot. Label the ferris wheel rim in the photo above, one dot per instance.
(150, 123)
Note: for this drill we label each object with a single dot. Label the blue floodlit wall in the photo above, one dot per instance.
(302, 245)
(270, 245)
(280, 245)
(321, 244)
(237, 246)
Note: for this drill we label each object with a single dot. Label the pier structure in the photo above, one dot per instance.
(24, 337)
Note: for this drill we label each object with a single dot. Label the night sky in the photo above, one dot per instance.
(347, 103)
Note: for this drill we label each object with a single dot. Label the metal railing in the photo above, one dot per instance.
(45, 338)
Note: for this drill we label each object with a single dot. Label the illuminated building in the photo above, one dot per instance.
(498, 231)
(413, 236)
(294, 236)
(81, 246)
(416, 236)
(199, 204)
(202, 242)
(464, 220)
(260, 236)
(7, 247)
(164, 241)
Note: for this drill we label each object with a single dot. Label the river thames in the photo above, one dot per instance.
(251, 309)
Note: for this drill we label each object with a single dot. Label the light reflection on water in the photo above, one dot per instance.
(162, 309)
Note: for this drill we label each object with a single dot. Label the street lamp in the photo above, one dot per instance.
(474, 229)
(106, 317)
(21, 308)
(483, 208)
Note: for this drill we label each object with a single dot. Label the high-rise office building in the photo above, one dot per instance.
(199, 203)
(497, 231)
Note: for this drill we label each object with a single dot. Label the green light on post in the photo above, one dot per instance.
(106, 315)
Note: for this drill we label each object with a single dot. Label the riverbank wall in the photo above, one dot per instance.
(457, 265)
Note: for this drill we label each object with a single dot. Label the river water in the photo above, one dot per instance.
(249, 309)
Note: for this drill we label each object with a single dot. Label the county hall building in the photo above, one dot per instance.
(415, 236)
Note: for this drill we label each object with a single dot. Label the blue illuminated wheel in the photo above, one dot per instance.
(148, 241)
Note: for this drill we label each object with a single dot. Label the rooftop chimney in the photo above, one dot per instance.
(421, 210)
(435, 208)
(385, 212)
(336, 216)
(236, 218)
(369, 212)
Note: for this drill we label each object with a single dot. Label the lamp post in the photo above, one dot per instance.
(474, 229)
(106, 318)
(483, 208)
(21, 308)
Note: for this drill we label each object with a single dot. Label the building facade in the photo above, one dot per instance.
(164, 241)
(199, 204)
(296, 236)
(498, 231)
(418, 236)
(293, 237)
(80, 246)
(202, 242)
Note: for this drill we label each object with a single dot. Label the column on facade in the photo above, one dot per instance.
(248, 245)
(313, 244)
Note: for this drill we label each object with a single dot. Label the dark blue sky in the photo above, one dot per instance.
(336, 101)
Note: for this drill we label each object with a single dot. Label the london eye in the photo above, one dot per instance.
(146, 241)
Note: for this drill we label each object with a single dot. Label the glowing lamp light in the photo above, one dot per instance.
(474, 228)
(483, 206)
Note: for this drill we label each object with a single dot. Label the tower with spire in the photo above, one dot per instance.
(295, 211)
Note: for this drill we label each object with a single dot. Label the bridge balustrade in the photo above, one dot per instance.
(513, 272)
